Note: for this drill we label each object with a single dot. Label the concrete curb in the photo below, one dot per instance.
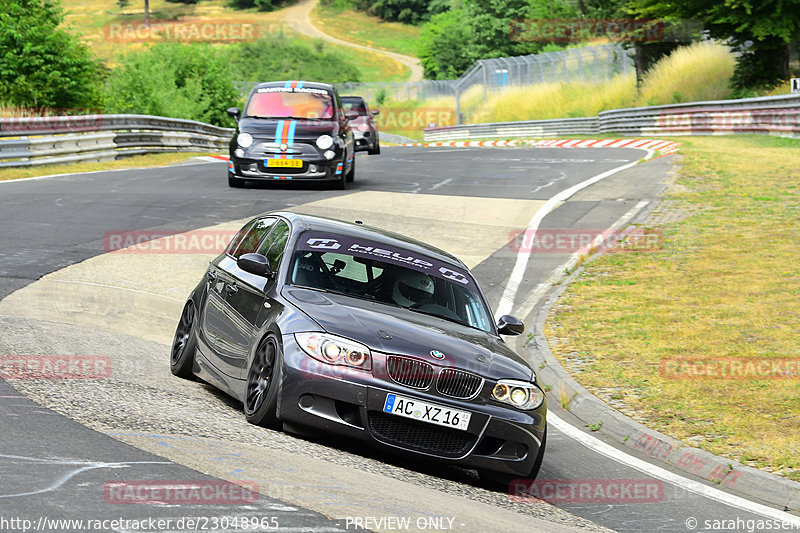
(591, 410)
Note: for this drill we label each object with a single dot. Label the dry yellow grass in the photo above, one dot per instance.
(701, 71)
(139, 161)
(557, 100)
(725, 285)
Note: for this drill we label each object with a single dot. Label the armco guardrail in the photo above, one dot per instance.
(773, 115)
(68, 139)
(528, 128)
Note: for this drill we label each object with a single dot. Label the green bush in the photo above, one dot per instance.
(190, 81)
(276, 57)
(42, 65)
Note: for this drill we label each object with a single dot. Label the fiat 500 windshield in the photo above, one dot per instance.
(398, 277)
(284, 104)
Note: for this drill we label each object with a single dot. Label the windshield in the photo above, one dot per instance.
(380, 273)
(278, 102)
(354, 104)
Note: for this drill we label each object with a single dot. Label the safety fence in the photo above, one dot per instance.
(35, 141)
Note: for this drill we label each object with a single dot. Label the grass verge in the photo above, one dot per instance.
(138, 161)
(358, 27)
(724, 287)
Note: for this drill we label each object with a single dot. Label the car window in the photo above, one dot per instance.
(392, 276)
(358, 106)
(273, 246)
(237, 239)
(290, 104)
(251, 240)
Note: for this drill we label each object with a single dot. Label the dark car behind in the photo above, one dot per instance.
(364, 128)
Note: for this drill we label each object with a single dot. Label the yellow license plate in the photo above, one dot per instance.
(291, 163)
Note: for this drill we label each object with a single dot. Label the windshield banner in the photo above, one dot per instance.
(357, 247)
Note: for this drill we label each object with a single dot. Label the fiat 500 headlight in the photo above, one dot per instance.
(244, 140)
(324, 142)
(520, 394)
(335, 350)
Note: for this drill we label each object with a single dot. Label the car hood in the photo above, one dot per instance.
(304, 130)
(395, 330)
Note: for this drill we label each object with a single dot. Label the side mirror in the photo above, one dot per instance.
(510, 325)
(255, 264)
(234, 113)
(376, 112)
(350, 114)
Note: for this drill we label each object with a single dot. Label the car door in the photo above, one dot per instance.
(212, 313)
(238, 302)
(247, 297)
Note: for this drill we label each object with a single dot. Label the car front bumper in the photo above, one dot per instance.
(317, 397)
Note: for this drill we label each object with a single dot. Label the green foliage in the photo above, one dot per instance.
(479, 29)
(42, 65)
(190, 81)
(760, 30)
(408, 11)
(445, 49)
(261, 5)
(196, 81)
(277, 57)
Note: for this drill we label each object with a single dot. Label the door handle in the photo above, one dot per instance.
(232, 288)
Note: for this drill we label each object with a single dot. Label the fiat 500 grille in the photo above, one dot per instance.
(458, 384)
(420, 436)
(410, 372)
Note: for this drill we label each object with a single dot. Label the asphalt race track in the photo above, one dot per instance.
(140, 423)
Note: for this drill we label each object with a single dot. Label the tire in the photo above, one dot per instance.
(496, 478)
(184, 343)
(351, 176)
(263, 383)
(233, 181)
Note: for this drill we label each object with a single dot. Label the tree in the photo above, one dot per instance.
(42, 65)
(480, 29)
(760, 31)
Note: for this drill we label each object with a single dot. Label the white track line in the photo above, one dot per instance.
(712, 493)
(594, 443)
(521, 264)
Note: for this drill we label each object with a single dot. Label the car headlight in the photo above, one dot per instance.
(520, 394)
(324, 142)
(335, 350)
(244, 140)
(363, 127)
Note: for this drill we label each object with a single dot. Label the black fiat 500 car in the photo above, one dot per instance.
(365, 131)
(325, 327)
(292, 130)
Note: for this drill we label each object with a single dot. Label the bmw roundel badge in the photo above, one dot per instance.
(436, 354)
